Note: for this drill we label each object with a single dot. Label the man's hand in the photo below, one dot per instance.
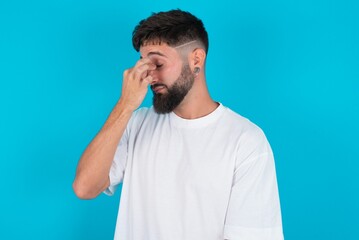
(92, 175)
(135, 83)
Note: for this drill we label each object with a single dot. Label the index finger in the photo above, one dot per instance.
(142, 67)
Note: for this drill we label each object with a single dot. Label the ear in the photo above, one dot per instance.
(197, 58)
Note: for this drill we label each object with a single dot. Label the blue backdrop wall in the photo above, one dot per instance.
(292, 67)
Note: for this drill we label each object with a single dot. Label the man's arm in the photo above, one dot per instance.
(92, 174)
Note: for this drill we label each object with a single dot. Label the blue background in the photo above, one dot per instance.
(292, 67)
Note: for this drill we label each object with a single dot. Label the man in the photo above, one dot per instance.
(191, 168)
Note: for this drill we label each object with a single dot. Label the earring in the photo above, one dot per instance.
(196, 70)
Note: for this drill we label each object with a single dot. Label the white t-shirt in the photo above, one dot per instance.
(210, 178)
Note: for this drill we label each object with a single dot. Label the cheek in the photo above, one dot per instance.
(170, 73)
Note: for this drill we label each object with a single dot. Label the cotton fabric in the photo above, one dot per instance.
(209, 178)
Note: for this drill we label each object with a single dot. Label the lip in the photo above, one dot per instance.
(158, 88)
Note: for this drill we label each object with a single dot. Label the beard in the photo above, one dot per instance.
(167, 102)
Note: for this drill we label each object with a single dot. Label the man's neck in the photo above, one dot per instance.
(197, 103)
(191, 111)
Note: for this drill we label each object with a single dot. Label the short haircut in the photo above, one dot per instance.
(174, 27)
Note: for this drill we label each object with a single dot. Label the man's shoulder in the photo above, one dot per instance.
(237, 119)
(249, 136)
(142, 111)
(143, 114)
(242, 125)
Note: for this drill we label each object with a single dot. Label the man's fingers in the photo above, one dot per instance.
(142, 61)
(147, 80)
(141, 71)
(136, 81)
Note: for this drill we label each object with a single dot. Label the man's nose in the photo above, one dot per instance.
(154, 75)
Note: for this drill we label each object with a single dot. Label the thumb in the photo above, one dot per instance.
(147, 80)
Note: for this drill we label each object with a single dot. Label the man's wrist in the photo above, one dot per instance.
(125, 107)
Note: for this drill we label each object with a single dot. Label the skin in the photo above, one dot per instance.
(159, 67)
(197, 102)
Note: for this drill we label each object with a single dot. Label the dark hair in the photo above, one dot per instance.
(174, 27)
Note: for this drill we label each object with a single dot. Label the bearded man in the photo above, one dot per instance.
(191, 168)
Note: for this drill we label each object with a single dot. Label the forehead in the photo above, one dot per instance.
(158, 50)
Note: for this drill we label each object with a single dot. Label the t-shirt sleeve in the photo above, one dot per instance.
(254, 210)
(117, 169)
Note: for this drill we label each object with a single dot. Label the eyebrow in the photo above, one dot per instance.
(155, 53)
